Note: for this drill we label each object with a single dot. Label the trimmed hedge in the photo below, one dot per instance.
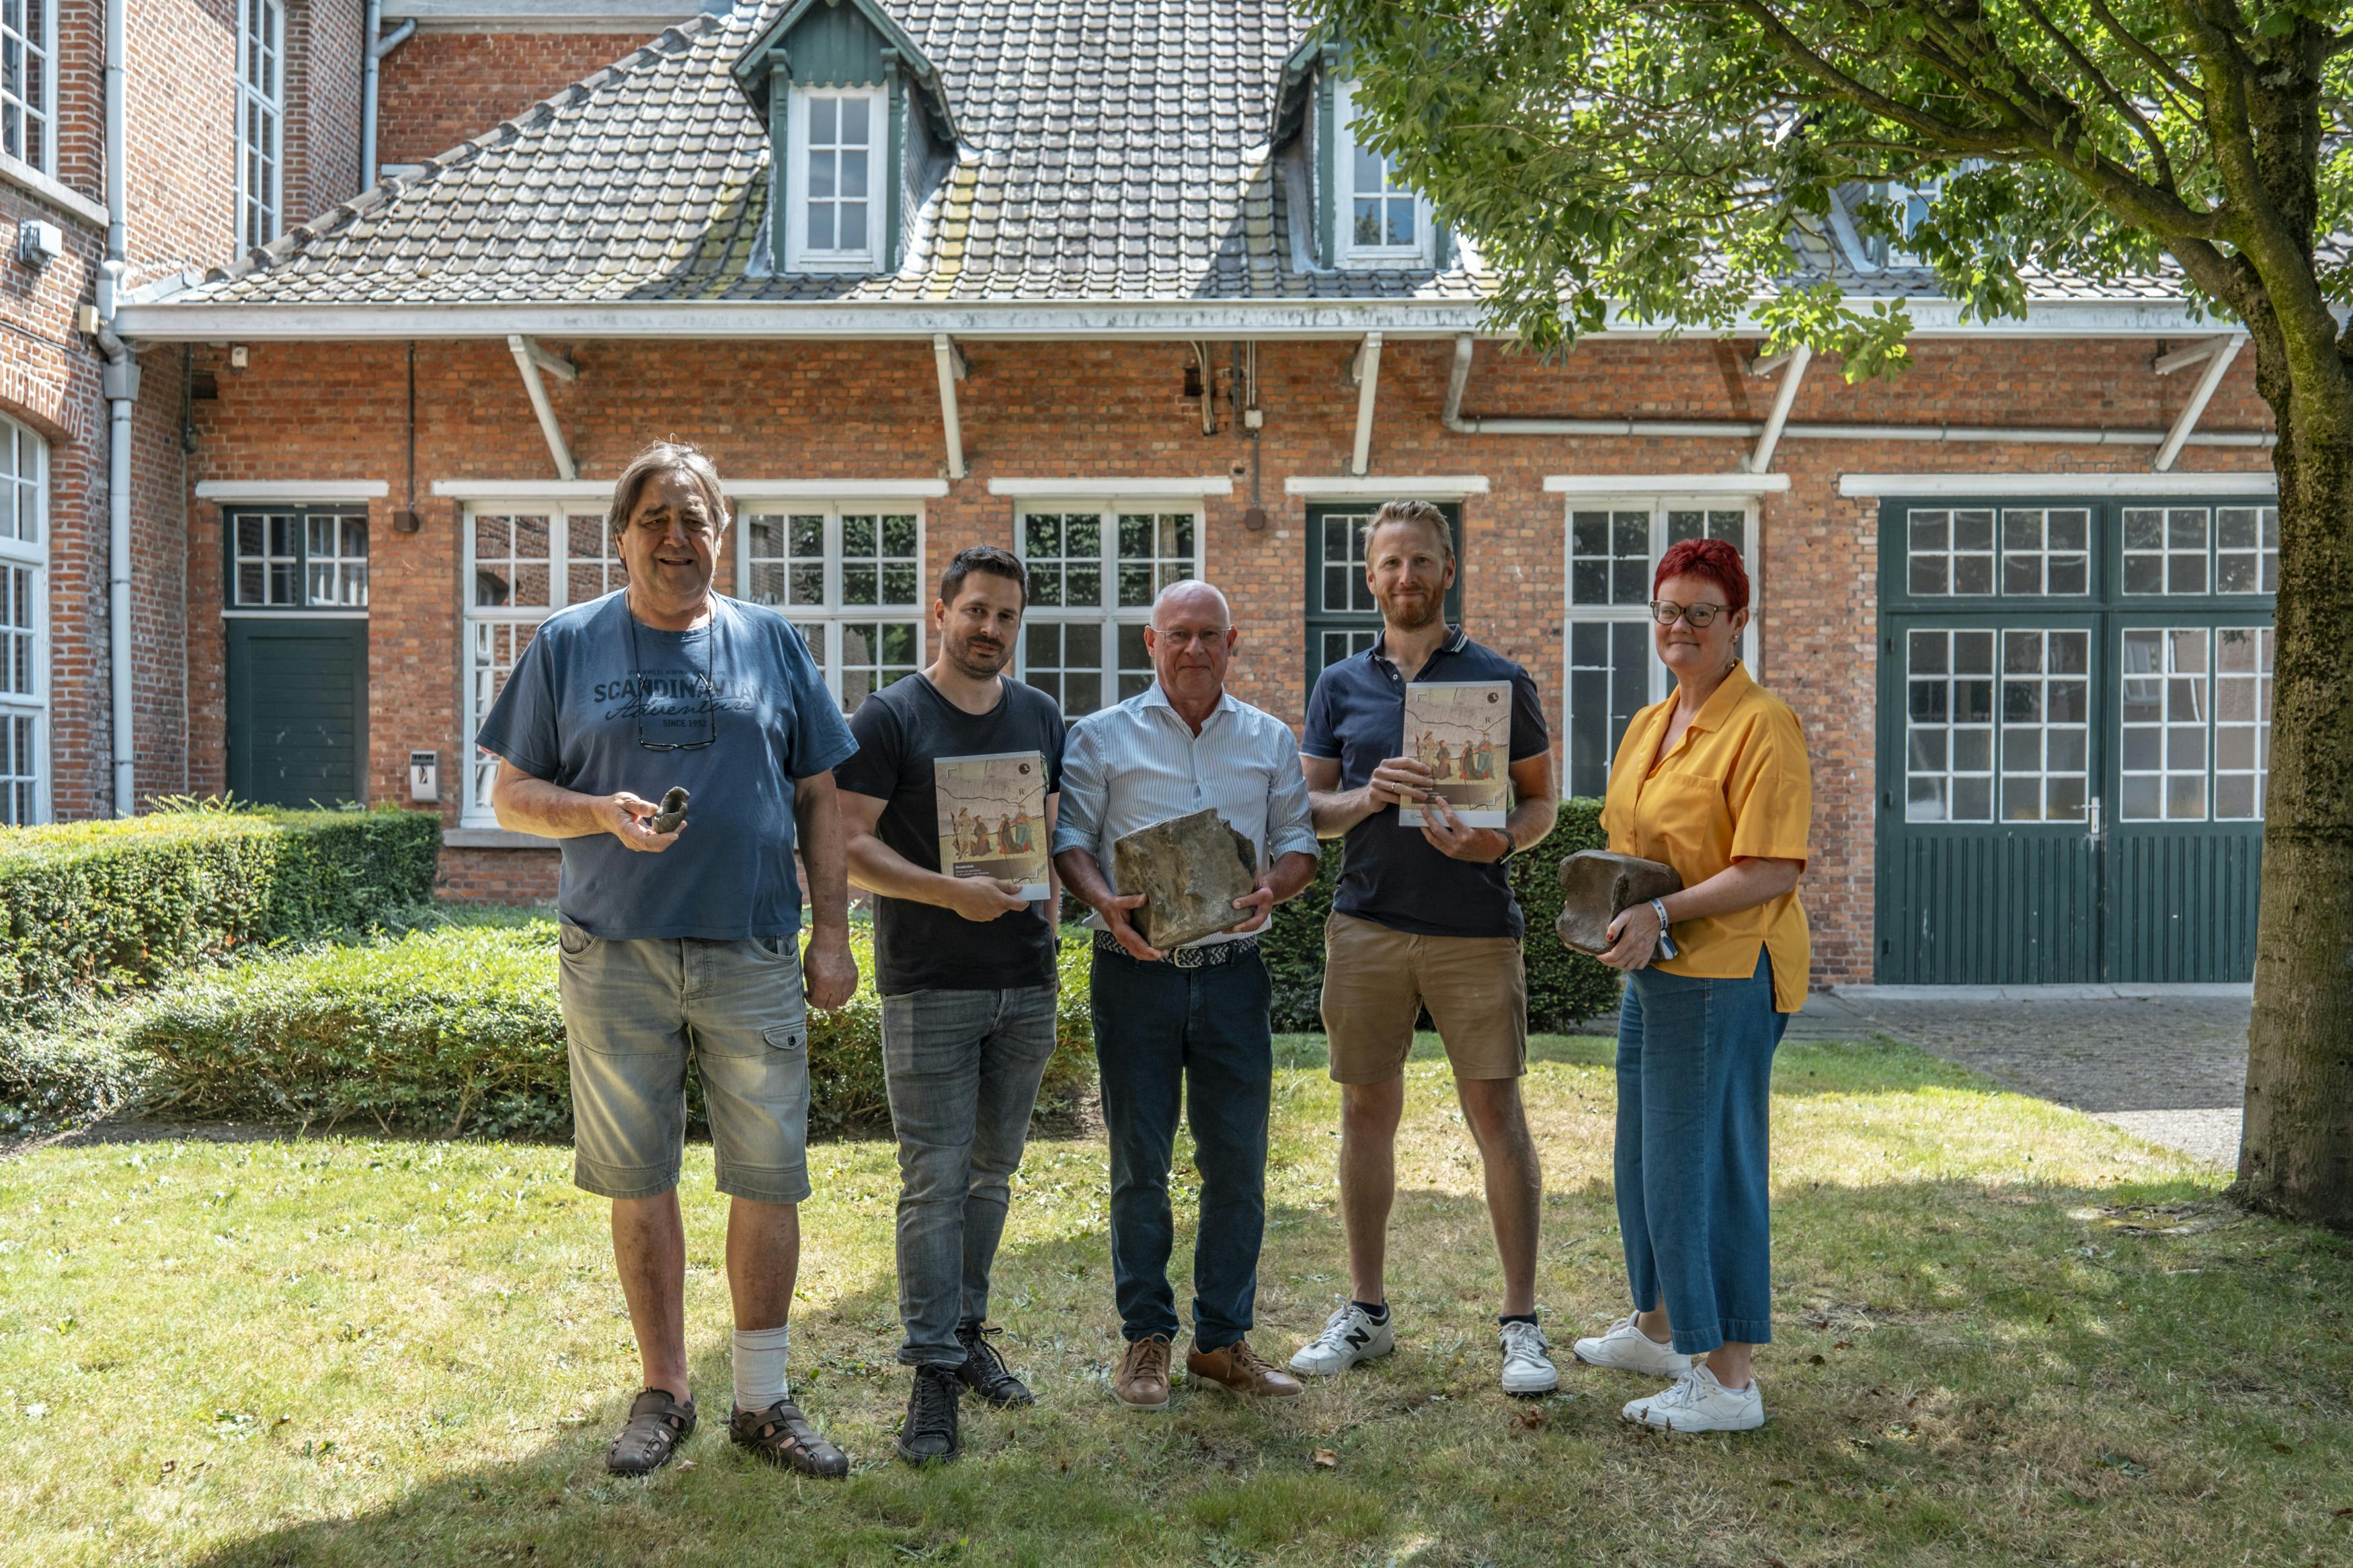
(93, 908)
(1563, 987)
(459, 1029)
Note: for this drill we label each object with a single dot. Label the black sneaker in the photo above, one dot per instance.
(928, 1436)
(985, 1371)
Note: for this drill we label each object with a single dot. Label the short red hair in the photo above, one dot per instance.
(1713, 559)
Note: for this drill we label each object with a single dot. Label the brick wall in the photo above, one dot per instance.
(323, 95)
(439, 88)
(871, 410)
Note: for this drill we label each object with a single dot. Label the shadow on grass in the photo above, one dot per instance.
(1878, 1066)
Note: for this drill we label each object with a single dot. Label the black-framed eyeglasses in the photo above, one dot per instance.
(706, 684)
(1666, 612)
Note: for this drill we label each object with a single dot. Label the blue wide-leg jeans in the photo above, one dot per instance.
(1163, 1034)
(1695, 1077)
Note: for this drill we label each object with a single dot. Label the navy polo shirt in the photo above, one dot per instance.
(1389, 873)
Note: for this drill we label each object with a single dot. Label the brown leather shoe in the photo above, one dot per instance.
(1237, 1367)
(1142, 1381)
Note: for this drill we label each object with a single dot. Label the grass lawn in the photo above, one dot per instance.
(2008, 1333)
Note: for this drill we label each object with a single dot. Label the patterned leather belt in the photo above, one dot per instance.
(1207, 957)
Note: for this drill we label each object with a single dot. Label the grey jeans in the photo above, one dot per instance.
(963, 1068)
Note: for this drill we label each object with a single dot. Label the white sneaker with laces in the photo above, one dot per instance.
(1696, 1402)
(1526, 1368)
(1350, 1335)
(1626, 1347)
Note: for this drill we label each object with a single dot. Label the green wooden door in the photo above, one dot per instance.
(297, 709)
(2073, 729)
(1342, 618)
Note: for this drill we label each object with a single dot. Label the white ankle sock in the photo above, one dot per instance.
(760, 1366)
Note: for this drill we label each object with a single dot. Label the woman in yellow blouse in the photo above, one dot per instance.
(1713, 781)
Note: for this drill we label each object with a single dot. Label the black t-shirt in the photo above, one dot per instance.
(922, 947)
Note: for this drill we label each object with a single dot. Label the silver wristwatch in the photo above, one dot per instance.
(1666, 942)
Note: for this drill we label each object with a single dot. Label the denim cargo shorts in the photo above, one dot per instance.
(633, 1010)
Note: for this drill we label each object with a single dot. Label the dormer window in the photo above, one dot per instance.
(831, 192)
(1381, 221)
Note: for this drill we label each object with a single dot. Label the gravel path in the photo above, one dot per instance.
(2167, 1064)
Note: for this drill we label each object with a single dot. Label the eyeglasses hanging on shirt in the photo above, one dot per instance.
(706, 684)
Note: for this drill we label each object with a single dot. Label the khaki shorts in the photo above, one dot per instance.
(1376, 980)
(635, 1010)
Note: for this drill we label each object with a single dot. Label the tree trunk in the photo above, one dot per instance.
(2296, 1154)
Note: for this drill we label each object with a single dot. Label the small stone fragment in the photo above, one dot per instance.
(1190, 869)
(672, 811)
(1596, 884)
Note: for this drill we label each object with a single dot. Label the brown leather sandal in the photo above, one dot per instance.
(783, 1436)
(657, 1426)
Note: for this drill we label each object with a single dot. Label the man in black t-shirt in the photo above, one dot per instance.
(964, 957)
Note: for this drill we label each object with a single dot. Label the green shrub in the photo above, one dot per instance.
(93, 908)
(458, 1029)
(1563, 987)
(69, 1070)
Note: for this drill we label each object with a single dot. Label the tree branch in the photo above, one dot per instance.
(2107, 89)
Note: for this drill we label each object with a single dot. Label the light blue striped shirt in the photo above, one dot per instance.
(1127, 767)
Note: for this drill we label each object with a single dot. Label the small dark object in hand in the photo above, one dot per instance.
(1594, 885)
(1190, 869)
(672, 811)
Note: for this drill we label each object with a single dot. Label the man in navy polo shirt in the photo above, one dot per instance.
(1423, 917)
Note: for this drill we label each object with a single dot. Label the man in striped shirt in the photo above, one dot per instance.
(1190, 1024)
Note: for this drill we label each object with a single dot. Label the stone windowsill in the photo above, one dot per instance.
(18, 172)
(492, 839)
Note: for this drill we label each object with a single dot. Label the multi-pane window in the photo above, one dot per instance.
(1612, 673)
(1343, 618)
(2046, 550)
(2243, 721)
(1948, 739)
(2195, 725)
(851, 579)
(1379, 218)
(297, 559)
(1951, 551)
(23, 595)
(835, 194)
(1094, 573)
(2168, 548)
(29, 81)
(2246, 550)
(2046, 712)
(522, 564)
(260, 120)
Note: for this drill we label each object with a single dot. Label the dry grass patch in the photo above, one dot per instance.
(2010, 1334)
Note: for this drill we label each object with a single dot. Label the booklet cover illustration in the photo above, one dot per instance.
(992, 813)
(1462, 729)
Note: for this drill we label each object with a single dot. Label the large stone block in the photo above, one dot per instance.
(1596, 884)
(1190, 869)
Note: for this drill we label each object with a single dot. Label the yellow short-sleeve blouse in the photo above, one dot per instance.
(1737, 785)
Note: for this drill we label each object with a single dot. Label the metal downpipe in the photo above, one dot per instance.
(121, 379)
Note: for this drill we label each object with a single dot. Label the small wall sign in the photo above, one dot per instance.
(424, 775)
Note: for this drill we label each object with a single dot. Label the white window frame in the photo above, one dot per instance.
(1111, 615)
(798, 255)
(480, 620)
(261, 218)
(40, 153)
(824, 624)
(33, 555)
(1423, 252)
(1659, 503)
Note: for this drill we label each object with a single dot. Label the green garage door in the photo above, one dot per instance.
(2074, 728)
(297, 709)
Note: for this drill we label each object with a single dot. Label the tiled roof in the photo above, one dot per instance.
(1110, 150)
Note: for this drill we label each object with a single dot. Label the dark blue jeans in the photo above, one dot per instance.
(1162, 1034)
(1695, 1079)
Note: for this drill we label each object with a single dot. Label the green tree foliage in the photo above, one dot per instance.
(1654, 162)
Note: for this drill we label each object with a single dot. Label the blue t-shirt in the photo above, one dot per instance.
(595, 682)
(1389, 873)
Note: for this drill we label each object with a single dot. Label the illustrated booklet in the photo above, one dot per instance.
(992, 818)
(1462, 729)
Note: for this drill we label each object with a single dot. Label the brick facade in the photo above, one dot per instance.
(870, 410)
(440, 88)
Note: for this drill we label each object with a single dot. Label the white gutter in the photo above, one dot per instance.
(1422, 487)
(1187, 485)
(1792, 374)
(2217, 364)
(530, 358)
(2255, 482)
(739, 489)
(121, 381)
(952, 368)
(1368, 385)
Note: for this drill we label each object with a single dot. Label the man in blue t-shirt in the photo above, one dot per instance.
(1424, 917)
(686, 940)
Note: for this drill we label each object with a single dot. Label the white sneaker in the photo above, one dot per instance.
(1628, 1349)
(1350, 1335)
(1526, 1368)
(1695, 1401)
